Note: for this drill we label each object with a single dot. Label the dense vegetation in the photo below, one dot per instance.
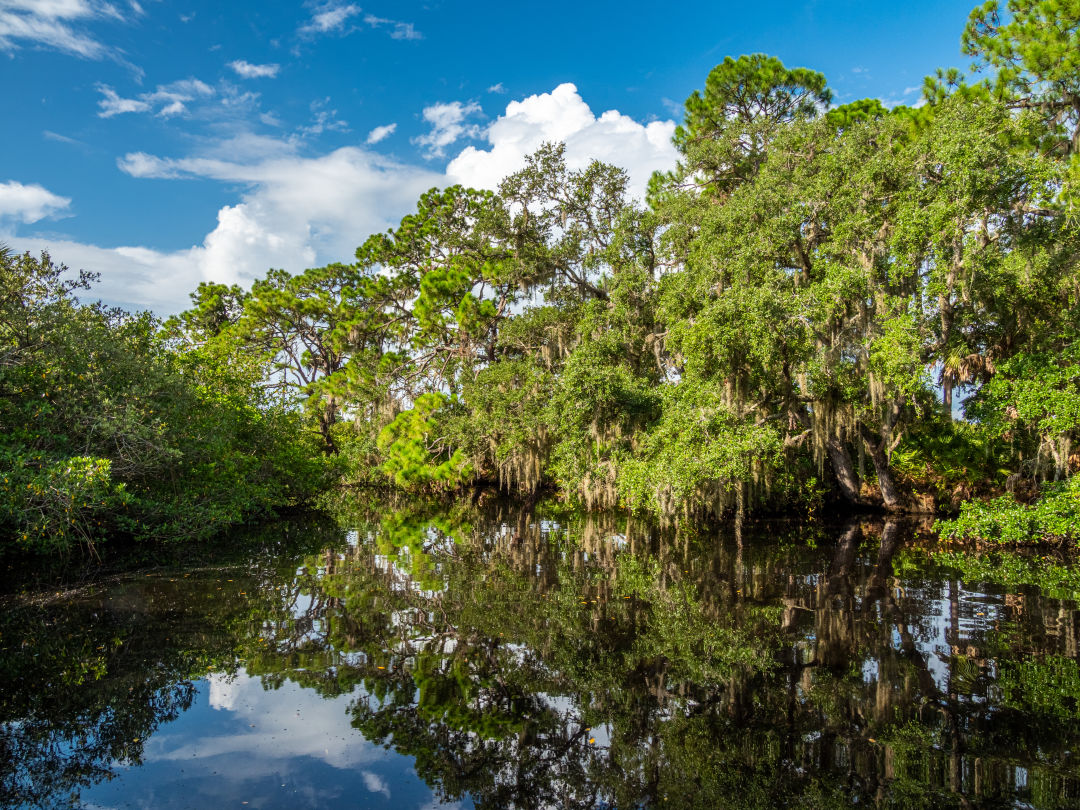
(795, 316)
(109, 428)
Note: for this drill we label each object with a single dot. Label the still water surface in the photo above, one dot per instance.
(495, 658)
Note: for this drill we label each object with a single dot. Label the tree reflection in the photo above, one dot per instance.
(87, 677)
(538, 659)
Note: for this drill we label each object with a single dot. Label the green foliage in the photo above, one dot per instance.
(1047, 688)
(554, 658)
(746, 102)
(1034, 401)
(1053, 518)
(696, 647)
(787, 324)
(865, 109)
(109, 429)
(751, 88)
(947, 457)
(215, 308)
(1035, 54)
(413, 454)
(699, 452)
(1014, 570)
(505, 427)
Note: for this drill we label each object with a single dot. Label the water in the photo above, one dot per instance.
(494, 658)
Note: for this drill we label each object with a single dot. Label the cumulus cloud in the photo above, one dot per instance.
(497, 88)
(56, 24)
(296, 211)
(381, 133)
(329, 17)
(375, 783)
(562, 115)
(167, 100)
(299, 211)
(132, 277)
(322, 732)
(246, 70)
(28, 204)
(448, 122)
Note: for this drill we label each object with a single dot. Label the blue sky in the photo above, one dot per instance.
(162, 144)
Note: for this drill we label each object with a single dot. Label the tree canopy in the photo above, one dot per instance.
(797, 314)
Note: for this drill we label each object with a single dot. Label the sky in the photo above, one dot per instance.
(161, 144)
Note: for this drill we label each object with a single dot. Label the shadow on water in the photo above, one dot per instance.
(550, 659)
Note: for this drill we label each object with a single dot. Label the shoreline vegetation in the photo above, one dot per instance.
(819, 308)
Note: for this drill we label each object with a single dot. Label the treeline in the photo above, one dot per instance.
(793, 317)
(109, 428)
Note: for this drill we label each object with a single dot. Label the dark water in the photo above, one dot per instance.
(501, 659)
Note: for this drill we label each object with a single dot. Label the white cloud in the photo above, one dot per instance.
(271, 120)
(328, 17)
(497, 88)
(173, 96)
(332, 17)
(321, 730)
(405, 30)
(140, 164)
(112, 104)
(249, 147)
(398, 29)
(168, 99)
(673, 107)
(562, 115)
(323, 120)
(375, 783)
(246, 70)
(52, 24)
(448, 125)
(28, 204)
(381, 133)
(296, 211)
(132, 277)
(56, 136)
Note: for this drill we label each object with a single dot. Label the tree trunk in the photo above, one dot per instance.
(845, 472)
(946, 397)
(889, 493)
(327, 417)
(877, 584)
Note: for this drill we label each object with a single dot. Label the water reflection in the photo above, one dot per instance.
(510, 659)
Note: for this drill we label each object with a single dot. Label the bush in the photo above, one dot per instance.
(1053, 518)
(107, 428)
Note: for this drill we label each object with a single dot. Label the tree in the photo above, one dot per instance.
(1035, 57)
(216, 307)
(110, 427)
(729, 126)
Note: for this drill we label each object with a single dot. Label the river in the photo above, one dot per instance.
(499, 658)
